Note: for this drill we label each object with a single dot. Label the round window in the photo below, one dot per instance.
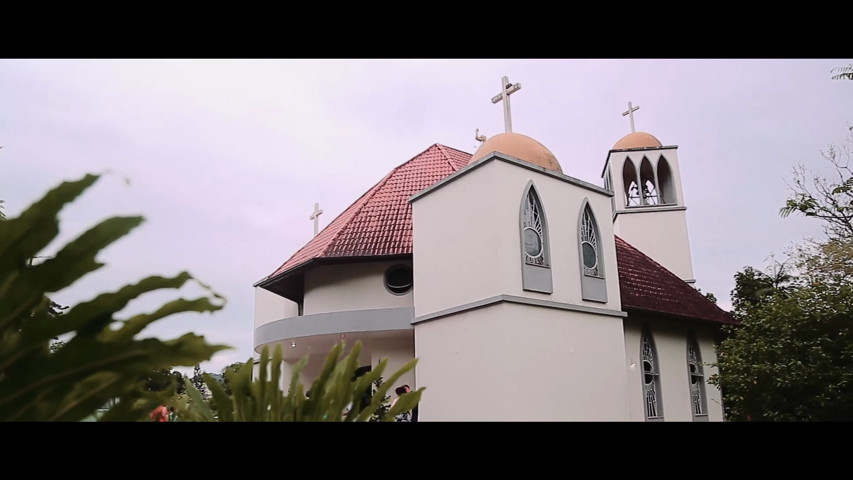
(399, 279)
(589, 257)
(532, 242)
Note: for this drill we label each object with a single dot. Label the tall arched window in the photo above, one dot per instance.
(699, 403)
(535, 245)
(593, 284)
(590, 249)
(665, 182)
(533, 231)
(651, 378)
(648, 183)
(629, 181)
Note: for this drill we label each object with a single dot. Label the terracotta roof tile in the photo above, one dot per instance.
(380, 223)
(648, 286)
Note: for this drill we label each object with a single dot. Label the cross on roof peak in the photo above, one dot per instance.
(507, 89)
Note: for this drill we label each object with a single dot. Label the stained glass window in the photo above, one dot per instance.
(532, 232)
(589, 244)
(651, 379)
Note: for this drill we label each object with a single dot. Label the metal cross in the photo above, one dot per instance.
(316, 217)
(631, 110)
(507, 89)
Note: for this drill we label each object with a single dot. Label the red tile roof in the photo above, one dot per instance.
(379, 223)
(646, 285)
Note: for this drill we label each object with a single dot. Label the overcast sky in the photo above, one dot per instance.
(226, 158)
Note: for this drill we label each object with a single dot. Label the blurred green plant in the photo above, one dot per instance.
(100, 362)
(336, 394)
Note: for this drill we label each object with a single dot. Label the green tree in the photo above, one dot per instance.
(261, 398)
(234, 367)
(829, 200)
(754, 287)
(101, 361)
(198, 381)
(160, 379)
(791, 359)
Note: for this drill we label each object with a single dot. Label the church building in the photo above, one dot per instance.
(525, 294)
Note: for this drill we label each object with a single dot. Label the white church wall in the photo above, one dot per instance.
(670, 341)
(660, 235)
(398, 351)
(353, 286)
(467, 244)
(460, 243)
(511, 362)
(562, 203)
(270, 307)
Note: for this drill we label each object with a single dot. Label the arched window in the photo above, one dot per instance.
(535, 246)
(589, 244)
(533, 231)
(629, 181)
(667, 187)
(648, 183)
(651, 378)
(696, 375)
(593, 284)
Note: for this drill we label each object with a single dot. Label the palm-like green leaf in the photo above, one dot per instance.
(260, 398)
(96, 364)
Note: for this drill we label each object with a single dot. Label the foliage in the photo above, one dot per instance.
(754, 287)
(262, 399)
(384, 405)
(160, 379)
(831, 201)
(792, 357)
(710, 296)
(830, 260)
(843, 73)
(197, 381)
(792, 360)
(100, 360)
(234, 367)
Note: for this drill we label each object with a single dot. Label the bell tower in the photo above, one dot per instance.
(648, 202)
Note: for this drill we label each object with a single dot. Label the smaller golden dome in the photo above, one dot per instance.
(637, 140)
(519, 146)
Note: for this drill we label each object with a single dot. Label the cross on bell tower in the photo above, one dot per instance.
(630, 113)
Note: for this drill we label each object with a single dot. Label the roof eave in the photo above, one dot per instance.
(290, 283)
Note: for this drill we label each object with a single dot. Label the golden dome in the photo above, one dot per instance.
(637, 140)
(521, 147)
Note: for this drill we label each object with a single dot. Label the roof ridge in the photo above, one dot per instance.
(367, 196)
(453, 148)
(668, 272)
(443, 150)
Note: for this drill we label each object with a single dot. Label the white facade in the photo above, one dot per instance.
(485, 260)
(656, 225)
(498, 338)
(671, 343)
(515, 362)
(351, 286)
